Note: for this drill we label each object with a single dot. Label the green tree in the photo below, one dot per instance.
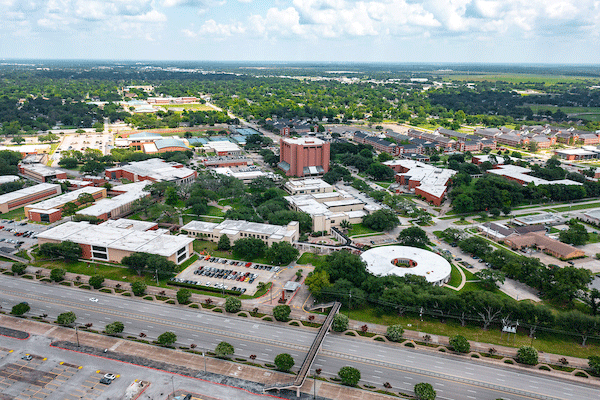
(57, 274)
(424, 391)
(18, 268)
(527, 355)
(349, 376)
(284, 362)
(460, 344)
(281, 253)
(381, 220)
(533, 146)
(93, 167)
(413, 236)
(490, 278)
(171, 197)
(380, 172)
(224, 243)
(183, 296)
(345, 224)
(282, 312)
(167, 339)
(136, 262)
(69, 209)
(340, 323)
(317, 281)
(68, 250)
(68, 162)
(248, 248)
(114, 328)
(463, 204)
(592, 299)
(18, 139)
(383, 157)
(20, 309)
(138, 288)
(232, 305)
(576, 234)
(224, 350)
(594, 364)
(96, 281)
(394, 333)
(66, 318)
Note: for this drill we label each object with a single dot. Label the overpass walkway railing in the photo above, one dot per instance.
(311, 355)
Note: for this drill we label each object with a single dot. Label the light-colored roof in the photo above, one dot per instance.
(8, 178)
(522, 174)
(132, 224)
(59, 201)
(144, 136)
(28, 191)
(117, 238)
(304, 141)
(156, 169)
(431, 266)
(218, 146)
(105, 206)
(169, 142)
(239, 174)
(306, 184)
(41, 169)
(233, 227)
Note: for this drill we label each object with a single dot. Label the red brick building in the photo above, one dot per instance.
(303, 156)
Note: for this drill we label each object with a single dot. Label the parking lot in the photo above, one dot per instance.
(18, 234)
(226, 274)
(31, 376)
(84, 141)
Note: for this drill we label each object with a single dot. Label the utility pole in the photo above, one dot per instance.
(173, 383)
(77, 335)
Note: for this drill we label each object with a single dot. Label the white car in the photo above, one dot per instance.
(93, 299)
(110, 376)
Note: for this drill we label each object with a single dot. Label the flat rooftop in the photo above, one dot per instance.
(156, 169)
(59, 201)
(304, 141)
(233, 227)
(41, 169)
(117, 238)
(28, 191)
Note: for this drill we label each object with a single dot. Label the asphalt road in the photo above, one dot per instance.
(452, 377)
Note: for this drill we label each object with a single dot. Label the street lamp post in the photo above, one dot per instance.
(173, 383)
(77, 335)
(204, 357)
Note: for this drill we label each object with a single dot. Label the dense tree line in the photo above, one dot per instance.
(343, 277)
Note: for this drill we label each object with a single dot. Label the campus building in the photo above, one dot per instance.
(111, 241)
(50, 210)
(521, 175)
(303, 156)
(154, 170)
(307, 186)
(235, 230)
(329, 209)
(119, 205)
(41, 173)
(426, 180)
(28, 195)
(152, 143)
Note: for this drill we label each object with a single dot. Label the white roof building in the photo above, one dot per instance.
(107, 242)
(118, 205)
(405, 260)
(235, 230)
(521, 175)
(153, 169)
(305, 186)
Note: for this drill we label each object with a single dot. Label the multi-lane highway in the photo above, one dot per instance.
(452, 377)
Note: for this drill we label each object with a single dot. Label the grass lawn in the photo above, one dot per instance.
(310, 258)
(215, 211)
(384, 184)
(113, 272)
(17, 214)
(360, 229)
(455, 277)
(210, 248)
(547, 342)
(593, 238)
(577, 207)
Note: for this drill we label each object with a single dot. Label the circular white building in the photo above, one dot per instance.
(404, 260)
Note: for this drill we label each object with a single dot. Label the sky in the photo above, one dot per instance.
(445, 31)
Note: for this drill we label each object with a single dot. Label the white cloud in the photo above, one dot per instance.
(213, 29)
